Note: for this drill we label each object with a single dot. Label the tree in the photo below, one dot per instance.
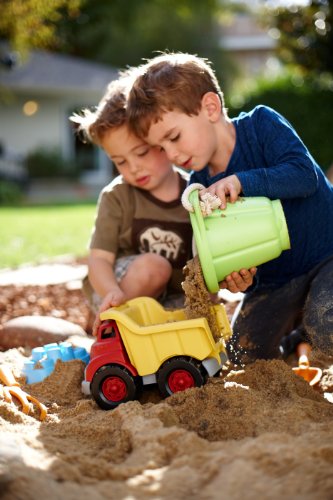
(306, 36)
(28, 24)
(116, 32)
(123, 33)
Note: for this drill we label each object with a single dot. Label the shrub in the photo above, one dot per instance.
(10, 193)
(48, 163)
(306, 106)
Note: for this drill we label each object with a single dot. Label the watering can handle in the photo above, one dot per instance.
(199, 230)
(186, 195)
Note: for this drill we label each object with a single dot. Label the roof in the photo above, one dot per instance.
(254, 42)
(45, 71)
(246, 34)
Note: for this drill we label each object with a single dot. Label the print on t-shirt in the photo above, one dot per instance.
(172, 240)
(157, 240)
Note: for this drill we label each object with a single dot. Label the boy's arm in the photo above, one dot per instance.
(274, 162)
(282, 165)
(102, 277)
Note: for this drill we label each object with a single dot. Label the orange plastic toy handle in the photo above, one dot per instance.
(12, 388)
(7, 377)
(303, 352)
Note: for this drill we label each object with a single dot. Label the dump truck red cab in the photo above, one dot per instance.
(108, 349)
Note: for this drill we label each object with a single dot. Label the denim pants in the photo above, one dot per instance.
(268, 314)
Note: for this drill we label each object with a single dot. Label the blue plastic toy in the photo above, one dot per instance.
(45, 358)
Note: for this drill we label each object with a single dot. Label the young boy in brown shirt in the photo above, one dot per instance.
(142, 235)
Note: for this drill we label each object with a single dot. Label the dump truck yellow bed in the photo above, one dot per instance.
(152, 334)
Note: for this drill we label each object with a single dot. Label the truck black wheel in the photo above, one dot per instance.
(178, 374)
(112, 385)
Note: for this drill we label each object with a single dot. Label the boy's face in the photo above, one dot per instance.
(140, 164)
(189, 141)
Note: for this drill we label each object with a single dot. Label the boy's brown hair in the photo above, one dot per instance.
(91, 125)
(170, 81)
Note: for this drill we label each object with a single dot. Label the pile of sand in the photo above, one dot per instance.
(258, 433)
(198, 302)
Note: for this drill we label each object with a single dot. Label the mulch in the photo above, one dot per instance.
(59, 301)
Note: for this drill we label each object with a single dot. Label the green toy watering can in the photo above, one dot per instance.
(247, 233)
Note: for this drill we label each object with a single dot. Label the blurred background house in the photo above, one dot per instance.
(38, 96)
(252, 48)
(276, 52)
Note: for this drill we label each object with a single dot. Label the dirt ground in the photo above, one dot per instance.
(259, 433)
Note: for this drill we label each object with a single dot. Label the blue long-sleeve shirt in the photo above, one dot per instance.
(270, 160)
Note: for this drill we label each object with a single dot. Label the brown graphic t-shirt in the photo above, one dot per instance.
(131, 221)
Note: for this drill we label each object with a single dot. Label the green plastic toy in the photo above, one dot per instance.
(247, 233)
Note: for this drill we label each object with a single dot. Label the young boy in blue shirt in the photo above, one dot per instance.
(176, 103)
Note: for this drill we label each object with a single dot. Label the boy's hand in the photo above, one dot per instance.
(114, 297)
(239, 282)
(228, 187)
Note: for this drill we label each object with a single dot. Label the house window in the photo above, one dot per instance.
(94, 166)
(85, 155)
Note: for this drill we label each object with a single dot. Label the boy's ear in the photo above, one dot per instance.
(211, 104)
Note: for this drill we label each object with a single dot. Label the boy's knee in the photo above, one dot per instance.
(318, 323)
(155, 268)
(243, 349)
(156, 262)
(320, 339)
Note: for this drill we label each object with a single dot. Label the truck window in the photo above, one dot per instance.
(108, 332)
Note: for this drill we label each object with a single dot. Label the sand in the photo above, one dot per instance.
(198, 302)
(258, 433)
(261, 433)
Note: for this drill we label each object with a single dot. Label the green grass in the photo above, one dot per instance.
(35, 234)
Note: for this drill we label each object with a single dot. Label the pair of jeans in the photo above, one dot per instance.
(267, 314)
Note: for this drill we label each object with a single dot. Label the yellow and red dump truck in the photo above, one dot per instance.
(141, 343)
